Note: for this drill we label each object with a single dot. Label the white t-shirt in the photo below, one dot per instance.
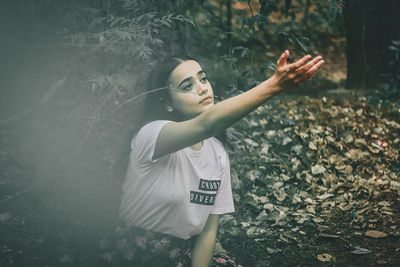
(175, 194)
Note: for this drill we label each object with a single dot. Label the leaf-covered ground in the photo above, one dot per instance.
(316, 183)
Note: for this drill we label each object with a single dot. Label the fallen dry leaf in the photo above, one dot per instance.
(325, 257)
(317, 169)
(375, 234)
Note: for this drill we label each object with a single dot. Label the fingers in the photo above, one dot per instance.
(309, 65)
(314, 68)
(282, 60)
(299, 71)
(298, 63)
(307, 71)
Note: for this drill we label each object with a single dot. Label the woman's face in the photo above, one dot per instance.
(191, 93)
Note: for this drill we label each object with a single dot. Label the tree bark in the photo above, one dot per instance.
(370, 25)
(229, 18)
(306, 12)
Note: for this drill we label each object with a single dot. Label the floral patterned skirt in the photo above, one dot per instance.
(132, 246)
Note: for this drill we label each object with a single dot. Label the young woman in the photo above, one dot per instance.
(178, 179)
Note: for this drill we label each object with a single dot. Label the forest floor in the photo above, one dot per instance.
(316, 182)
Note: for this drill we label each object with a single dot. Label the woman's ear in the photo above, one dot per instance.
(168, 104)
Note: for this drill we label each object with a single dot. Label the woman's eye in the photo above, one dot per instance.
(204, 79)
(187, 87)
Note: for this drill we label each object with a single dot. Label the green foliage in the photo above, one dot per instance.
(128, 41)
(259, 33)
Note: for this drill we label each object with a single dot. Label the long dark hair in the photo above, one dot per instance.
(158, 95)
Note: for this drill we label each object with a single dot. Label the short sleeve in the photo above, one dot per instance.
(143, 144)
(224, 200)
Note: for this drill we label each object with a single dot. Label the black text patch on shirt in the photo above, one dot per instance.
(209, 185)
(202, 198)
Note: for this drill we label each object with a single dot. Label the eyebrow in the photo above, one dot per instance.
(190, 78)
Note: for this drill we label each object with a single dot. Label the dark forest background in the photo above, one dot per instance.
(72, 74)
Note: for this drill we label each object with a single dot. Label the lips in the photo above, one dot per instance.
(206, 99)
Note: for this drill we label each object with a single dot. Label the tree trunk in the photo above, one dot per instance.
(229, 19)
(370, 25)
(306, 12)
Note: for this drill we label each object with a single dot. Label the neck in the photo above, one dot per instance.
(197, 146)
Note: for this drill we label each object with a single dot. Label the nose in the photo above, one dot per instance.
(202, 89)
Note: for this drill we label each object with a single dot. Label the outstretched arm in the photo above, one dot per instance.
(177, 135)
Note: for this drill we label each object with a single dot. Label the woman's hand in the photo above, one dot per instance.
(289, 76)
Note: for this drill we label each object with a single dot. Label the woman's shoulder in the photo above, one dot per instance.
(151, 127)
(154, 124)
(149, 130)
(217, 144)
